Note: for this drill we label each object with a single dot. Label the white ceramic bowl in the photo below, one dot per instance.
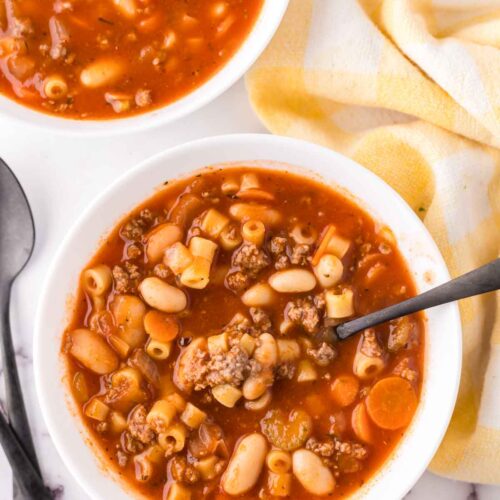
(443, 336)
(265, 26)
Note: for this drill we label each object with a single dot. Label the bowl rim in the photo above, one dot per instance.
(254, 44)
(280, 144)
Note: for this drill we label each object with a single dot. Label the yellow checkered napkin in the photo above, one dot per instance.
(411, 90)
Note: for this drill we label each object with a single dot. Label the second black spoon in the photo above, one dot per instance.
(482, 280)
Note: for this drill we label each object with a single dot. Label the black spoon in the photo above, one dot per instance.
(27, 477)
(16, 247)
(482, 280)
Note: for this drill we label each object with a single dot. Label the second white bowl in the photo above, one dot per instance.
(443, 335)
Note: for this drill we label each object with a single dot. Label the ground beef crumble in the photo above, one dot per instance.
(322, 448)
(284, 253)
(162, 271)
(277, 245)
(285, 371)
(196, 372)
(322, 355)
(130, 444)
(370, 345)
(126, 277)
(355, 450)
(250, 258)
(138, 427)
(300, 254)
(261, 319)
(281, 262)
(404, 370)
(133, 251)
(331, 446)
(183, 471)
(228, 368)
(237, 327)
(135, 228)
(305, 313)
(238, 281)
(278, 248)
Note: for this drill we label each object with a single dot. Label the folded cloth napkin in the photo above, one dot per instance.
(411, 90)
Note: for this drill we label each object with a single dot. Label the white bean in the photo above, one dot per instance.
(292, 281)
(92, 351)
(160, 239)
(245, 211)
(259, 295)
(256, 385)
(102, 72)
(266, 352)
(162, 296)
(245, 465)
(261, 403)
(315, 477)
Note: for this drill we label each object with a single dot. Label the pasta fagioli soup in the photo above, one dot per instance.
(95, 59)
(202, 350)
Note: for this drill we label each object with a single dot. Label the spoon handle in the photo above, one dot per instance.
(26, 476)
(13, 394)
(482, 280)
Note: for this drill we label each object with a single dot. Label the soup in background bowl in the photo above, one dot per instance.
(200, 354)
(94, 61)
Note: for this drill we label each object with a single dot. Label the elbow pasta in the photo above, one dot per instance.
(213, 223)
(279, 461)
(192, 416)
(97, 280)
(366, 367)
(339, 305)
(230, 238)
(158, 350)
(161, 415)
(253, 231)
(178, 258)
(201, 247)
(55, 87)
(329, 271)
(201, 350)
(197, 275)
(173, 439)
(304, 234)
(113, 59)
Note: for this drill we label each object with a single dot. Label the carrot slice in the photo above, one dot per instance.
(160, 326)
(323, 244)
(344, 390)
(361, 424)
(315, 405)
(391, 403)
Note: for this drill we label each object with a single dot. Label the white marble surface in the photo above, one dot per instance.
(60, 176)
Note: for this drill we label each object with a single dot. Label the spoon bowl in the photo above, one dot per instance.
(18, 228)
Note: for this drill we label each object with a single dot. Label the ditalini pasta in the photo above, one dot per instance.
(202, 350)
(110, 58)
